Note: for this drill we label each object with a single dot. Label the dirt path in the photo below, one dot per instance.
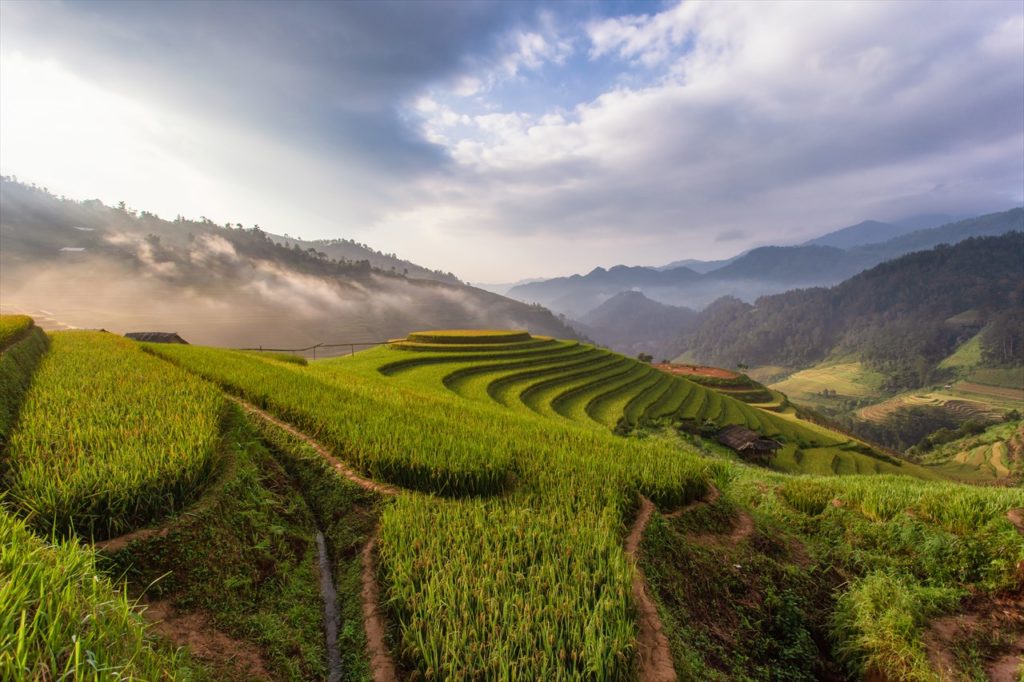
(979, 619)
(1016, 517)
(114, 545)
(338, 466)
(653, 653)
(193, 630)
(743, 528)
(381, 664)
(710, 498)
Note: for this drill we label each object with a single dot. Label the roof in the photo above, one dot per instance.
(740, 438)
(156, 337)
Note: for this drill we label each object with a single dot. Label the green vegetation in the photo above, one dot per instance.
(395, 438)
(109, 438)
(61, 618)
(17, 364)
(502, 556)
(596, 388)
(891, 317)
(562, 519)
(475, 336)
(973, 452)
(823, 384)
(280, 357)
(245, 555)
(12, 327)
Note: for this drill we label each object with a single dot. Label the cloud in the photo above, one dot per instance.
(549, 137)
(730, 235)
(766, 115)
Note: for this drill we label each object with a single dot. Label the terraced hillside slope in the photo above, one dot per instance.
(596, 388)
(466, 538)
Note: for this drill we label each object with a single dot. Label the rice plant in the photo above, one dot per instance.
(62, 619)
(109, 438)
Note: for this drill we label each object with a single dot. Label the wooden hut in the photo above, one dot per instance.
(156, 337)
(749, 444)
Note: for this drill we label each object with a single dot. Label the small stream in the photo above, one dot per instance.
(330, 597)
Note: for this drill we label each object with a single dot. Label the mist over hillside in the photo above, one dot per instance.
(90, 265)
(761, 271)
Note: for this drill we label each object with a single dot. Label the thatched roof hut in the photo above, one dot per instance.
(156, 337)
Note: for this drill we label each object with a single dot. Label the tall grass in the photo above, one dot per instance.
(17, 365)
(109, 438)
(61, 619)
(11, 327)
(533, 584)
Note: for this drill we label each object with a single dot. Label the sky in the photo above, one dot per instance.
(506, 140)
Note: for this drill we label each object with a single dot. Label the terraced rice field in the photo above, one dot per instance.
(850, 380)
(502, 554)
(580, 383)
(991, 455)
(960, 409)
(594, 388)
(138, 447)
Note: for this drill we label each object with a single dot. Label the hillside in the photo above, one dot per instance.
(761, 271)
(631, 323)
(893, 317)
(84, 264)
(545, 544)
(350, 250)
(874, 231)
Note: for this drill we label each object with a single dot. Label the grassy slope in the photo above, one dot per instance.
(475, 581)
(860, 573)
(848, 379)
(532, 582)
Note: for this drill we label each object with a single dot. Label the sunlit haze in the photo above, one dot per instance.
(503, 141)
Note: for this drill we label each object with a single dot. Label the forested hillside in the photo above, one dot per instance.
(89, 265)
(896, 316)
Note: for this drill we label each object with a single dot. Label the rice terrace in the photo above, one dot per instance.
(469, 484)
(512, 341)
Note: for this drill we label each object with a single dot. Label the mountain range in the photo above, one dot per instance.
(764, 270)
(901, 317)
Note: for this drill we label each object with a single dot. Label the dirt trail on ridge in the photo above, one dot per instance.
(337, 464)
(382, 666)
(653, 653)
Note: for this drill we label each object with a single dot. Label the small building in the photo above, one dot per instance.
(156, 337)
(749, 444)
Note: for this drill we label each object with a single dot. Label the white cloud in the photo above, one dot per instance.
(766, 117)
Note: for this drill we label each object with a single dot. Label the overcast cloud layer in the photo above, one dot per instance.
(502, 141)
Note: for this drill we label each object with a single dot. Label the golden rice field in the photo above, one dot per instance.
(109, 438)
(502, 556)
(960, 409)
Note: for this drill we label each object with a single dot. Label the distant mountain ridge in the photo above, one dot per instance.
(761, 271)
(631, 323)
(350, 250)
(875, 232)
